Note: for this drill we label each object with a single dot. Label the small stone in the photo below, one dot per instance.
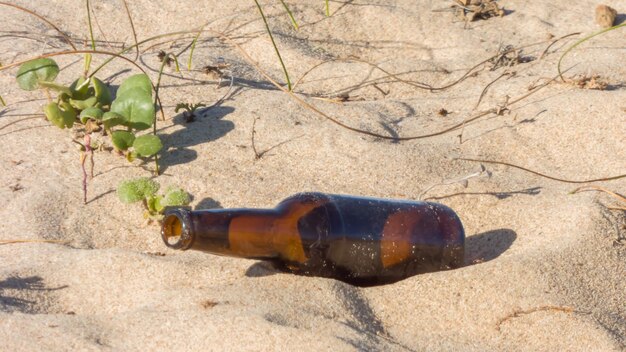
(605, 16)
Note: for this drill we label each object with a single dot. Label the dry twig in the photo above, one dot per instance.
(610, 178)
(519, 313)
(30, 241)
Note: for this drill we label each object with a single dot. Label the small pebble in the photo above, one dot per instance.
(605, 16)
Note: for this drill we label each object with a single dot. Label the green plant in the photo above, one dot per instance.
(88, 101)
(133, 111)
(190, 110)
(145, 190)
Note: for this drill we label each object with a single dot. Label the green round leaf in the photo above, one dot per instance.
(91, 113)
(147, 145)
(102, 92)
(137, 108)
(147, 187)
(122, 140)
(139, 81)
(32, 72)
(61, 115)
(131, 191)
(110, 119)
(175, 197)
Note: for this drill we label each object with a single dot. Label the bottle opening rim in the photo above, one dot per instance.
(176, 231)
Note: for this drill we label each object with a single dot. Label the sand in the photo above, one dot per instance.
(545, 269)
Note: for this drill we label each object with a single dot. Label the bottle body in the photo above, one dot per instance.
(354, 239)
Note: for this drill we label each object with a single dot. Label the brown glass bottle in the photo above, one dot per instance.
(360, 240)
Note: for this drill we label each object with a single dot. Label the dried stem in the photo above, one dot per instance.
(482, 94)
(554, 42)
(302, 102)
(83, 157)
(67, 39)
(611, 178)
(24, 119)
(519, 313)
(257, 155)
(461, 180)
(89, 150)
(30, 241)
(424, 85)
(617, 196)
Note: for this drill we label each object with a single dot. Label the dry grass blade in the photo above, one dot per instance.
(460, 180)
(600, 189)
(558, 66)
(482, 94)
(519, 313)
(30, 241)
(420, 85)
(104, 37)
(67, 39)
(305, 104)
(93, 41)
(389, 74)
(20, 120)
(269, 32)
(132, 27)
(193, 47)
(545, 51)
(611, 178)
(293, 20)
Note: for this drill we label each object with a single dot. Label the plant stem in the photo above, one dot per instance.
(47, 91)
(193, 47)
(293, 20)
(83, 157)
(156, 99)
(558, 66)
(93, 42)
(1, 99)
(267, 27)
(132, 27)
(327, 9)
(90, 151)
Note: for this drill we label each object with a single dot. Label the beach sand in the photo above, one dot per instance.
(545, 270)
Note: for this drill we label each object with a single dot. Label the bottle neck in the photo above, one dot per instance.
(244, 233)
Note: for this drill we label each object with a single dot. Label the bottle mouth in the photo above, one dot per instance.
(176, 230)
